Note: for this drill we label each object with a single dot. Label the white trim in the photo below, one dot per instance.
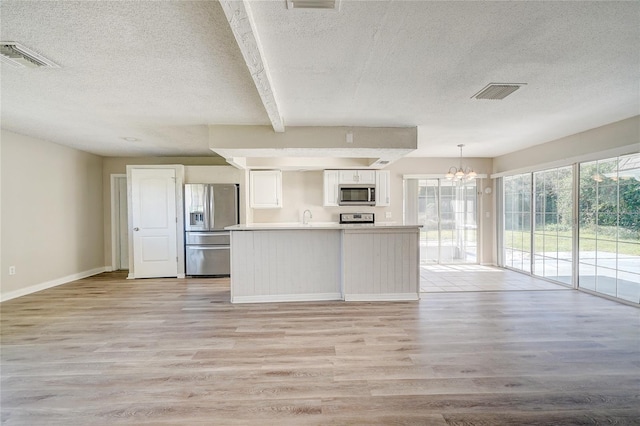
(49, 284)
(270, 298)
(381, 297)
(593, 156)
(114, 177)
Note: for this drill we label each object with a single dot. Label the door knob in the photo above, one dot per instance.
(136, 229)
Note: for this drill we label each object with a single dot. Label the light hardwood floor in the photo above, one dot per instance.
(107, 350)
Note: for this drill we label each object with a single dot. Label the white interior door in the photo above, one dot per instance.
(154, 218)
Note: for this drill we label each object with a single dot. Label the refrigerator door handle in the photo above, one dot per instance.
(205, 205)
(208, 247)
(207, 234)
(212, 208)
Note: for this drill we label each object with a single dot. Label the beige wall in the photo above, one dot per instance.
(52, 214)
(622, 137)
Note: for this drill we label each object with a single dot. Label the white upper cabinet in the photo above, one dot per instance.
(266, 189)
(331, 178)
(357, 176)
(383, 188)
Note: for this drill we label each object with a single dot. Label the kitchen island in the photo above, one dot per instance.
(329, 261)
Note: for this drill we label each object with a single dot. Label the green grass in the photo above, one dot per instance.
(561, 241)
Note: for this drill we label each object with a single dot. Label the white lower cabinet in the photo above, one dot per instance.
(333, 263)
(265, 189)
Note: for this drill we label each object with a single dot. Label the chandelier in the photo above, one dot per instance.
(458, 172)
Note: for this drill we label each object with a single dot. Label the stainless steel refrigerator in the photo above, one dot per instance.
(208, 209)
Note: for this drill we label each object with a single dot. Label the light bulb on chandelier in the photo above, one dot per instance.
(458, 172)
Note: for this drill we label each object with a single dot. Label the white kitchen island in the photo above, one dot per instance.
(296, 262)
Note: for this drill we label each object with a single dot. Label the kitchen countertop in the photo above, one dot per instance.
(316, 225)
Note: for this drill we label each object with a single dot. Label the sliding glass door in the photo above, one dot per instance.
(447, 210)
(539, 236)
(609, 235)
(517, 222)
(553, 225)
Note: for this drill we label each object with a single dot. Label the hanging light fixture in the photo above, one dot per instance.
(460, 173)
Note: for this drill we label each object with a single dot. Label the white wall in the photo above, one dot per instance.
(52, 214)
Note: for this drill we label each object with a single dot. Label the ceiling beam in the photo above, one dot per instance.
(244, 30)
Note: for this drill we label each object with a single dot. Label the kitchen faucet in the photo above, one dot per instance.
(305, 221)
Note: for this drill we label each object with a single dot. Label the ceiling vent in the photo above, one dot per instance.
(19, 56)
(497, 91)
(314, 4)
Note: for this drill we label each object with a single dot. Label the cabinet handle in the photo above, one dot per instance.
(136, 229)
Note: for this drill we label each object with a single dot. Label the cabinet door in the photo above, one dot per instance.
(348, 176)
(331, 178)
(266, 189)
(383, 184)
(367, 176)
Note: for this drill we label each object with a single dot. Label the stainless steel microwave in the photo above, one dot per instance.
(356, 195)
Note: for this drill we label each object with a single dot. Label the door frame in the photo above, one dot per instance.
(179, 170)
(115, 223)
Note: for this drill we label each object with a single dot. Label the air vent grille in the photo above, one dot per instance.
(497, 91)
(19, 56)
(313, 4)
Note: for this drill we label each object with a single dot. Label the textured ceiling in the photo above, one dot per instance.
(157, 71)
(162, 71)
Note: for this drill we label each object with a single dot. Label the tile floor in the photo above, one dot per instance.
(449, 278)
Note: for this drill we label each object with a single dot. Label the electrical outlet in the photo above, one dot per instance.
(387, 215)
(12, 270)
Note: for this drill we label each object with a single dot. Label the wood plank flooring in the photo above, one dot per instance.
(106, 350)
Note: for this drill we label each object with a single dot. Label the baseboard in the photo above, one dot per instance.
(271, 298)
(489, 264)
(49, 284)
(382, 297)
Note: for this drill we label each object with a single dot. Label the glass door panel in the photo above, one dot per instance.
(447, 210)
